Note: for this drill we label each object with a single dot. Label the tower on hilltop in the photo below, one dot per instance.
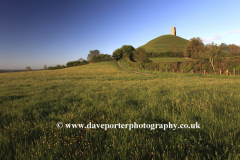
(173, 31)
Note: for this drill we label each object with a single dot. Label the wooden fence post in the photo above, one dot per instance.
(234, 72)
(227, 72)
(155, 69)
(182, 70)
(173, 70)
(220, 72)
(166, 70)
(204, 72)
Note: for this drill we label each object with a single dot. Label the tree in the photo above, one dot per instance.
(234, 48)
(128, 50)
(211, 51)
(117, 54)
(141, 55)
(175, 48)
(81, 59)
(92, 53)
(58, 66)
(28, 68)
(45, 67)
(224, 47)
(193, 47)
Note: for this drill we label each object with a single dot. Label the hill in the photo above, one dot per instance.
(164, 43)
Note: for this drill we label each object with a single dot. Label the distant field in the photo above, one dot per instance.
(168, 59)
(31, 103)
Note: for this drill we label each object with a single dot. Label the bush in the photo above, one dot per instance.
(45, 67)
(193, 47)
(140, 55)
(76, 63)
(128, 51)
(117, 54)
(50, 68)
(28, 68)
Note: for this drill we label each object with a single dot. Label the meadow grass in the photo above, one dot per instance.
(168, 59)
(31, 103)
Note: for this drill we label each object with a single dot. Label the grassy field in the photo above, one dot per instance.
(31, 103)
(168, 59)
(164, 43)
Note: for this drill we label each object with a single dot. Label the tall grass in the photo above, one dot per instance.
(31, 103)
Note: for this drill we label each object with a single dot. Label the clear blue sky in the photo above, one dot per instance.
(38, 32)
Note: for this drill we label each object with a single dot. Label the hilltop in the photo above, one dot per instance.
(164, 43)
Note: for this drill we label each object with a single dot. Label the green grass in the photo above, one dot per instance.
(31, 103)
(168, 59)
(164, 43)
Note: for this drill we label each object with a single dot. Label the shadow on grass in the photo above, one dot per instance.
(11, 98)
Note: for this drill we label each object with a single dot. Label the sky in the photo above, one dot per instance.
(49, 32)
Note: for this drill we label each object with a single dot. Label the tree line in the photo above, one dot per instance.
(195, 48)
(93, 57)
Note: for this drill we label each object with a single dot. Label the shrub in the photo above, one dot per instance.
(117, 54)
(28, 68)
(45, 67)
(50, 68)
(128, 51)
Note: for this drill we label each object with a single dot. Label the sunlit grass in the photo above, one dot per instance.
(31, 103)
(164, 43)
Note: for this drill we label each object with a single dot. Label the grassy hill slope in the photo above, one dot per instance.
(164, 43)
(31, 103)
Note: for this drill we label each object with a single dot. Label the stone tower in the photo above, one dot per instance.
(173, 31)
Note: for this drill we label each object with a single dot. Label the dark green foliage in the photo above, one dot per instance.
(76, 63)
(233, 54)
(223, 54)
(101, 58)
(93, 53)
(128, 50)
(197, 66)
(84, 62)
(224, 47)
(56, 67)
(117, 54)
(141, 56)
(193, 48)
(28, 68)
